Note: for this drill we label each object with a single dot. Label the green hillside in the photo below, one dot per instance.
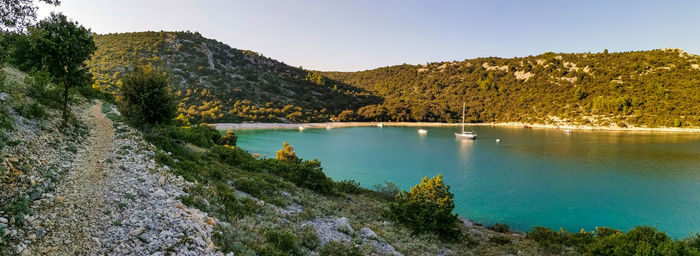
(646, 88)
(218, 83)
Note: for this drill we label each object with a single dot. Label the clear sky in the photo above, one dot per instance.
(363, 34)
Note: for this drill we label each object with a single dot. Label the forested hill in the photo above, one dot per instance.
(218, 83)
(644, 88)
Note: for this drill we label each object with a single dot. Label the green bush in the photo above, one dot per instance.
(309, 239)
(283, 241)
(642, 240)
(339, 249)
(37, 84)
(31, 110)
(229, 139)
(694, 242)
(145, 98)
(202, 135)
(546, 238)
(349, 186)
(387, 191)
(500, 228)
(427, 208)
(500, 240)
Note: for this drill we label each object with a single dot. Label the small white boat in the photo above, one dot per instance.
(329, 127)
(568, 131)
(422, 131)
(301, 128)
(498, 140)
(380, 125)
(465, 134)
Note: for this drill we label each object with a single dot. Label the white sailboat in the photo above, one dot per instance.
(422, 131)
(465, 134)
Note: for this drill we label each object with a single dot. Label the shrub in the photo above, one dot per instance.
(145, 98)
(546, 238)
(229, 139)
(427, 208)
(387, 191)
(642, 240)
(348, 186)
(500, 228)
(500, 240)
(339, 249)
(286, 153)
(694, 242)
(283, 241)
(31, 110)
(309, 239)
(202, 135)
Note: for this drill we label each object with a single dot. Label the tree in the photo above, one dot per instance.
(146, 98)
(286, 153)
(62, 47)
(229, 139)
(17, 14)
(427, 208)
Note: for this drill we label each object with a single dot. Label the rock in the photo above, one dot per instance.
(3, 220)
(200, 241)
(40, 233)
(367, 233)
(137, 231)
(467, 223)
(35, 195)
(59, 199)
(31, 237)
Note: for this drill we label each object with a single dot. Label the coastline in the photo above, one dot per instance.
(253, 126)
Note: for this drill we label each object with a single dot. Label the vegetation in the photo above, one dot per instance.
(214, 82)
(642, 240)
(427, 208)
(644, 88)
(59, 47)
(18, 14)
(145, 98)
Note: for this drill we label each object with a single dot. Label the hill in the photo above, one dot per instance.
(218, 83)
(657, 88)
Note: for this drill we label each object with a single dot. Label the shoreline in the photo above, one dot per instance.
(254, 126)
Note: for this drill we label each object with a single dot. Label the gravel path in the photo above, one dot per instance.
(117, 201)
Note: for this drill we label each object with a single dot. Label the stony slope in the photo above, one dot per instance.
(91, 189)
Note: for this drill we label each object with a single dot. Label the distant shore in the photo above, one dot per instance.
(248, 126)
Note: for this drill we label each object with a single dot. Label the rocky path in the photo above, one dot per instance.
(80, 196)
(117, 201)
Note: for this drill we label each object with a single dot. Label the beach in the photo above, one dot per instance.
(571, 127)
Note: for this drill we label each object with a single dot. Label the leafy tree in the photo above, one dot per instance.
(146, 99)
(286, 153)
(62, 47)
(427, 208)
(17, 14)
(229, 139)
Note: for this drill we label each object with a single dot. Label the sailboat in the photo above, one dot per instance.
(465, 134)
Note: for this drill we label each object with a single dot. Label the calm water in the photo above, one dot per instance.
(532, 177)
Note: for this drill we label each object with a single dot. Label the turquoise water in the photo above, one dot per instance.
(532, 177)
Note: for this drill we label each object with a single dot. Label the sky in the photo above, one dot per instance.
(354, 35)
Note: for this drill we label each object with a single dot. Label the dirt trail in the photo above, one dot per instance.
(70, 222)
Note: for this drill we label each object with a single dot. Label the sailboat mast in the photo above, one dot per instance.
(464, 105)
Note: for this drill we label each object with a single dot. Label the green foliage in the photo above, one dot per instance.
(145, 98)
(283, 243)
(236, 86)
(642, 88)
(60, 47)
(427, 208)
(37, 84)
(387, 191)
(16, 15)
(500, 240)
(500, 228)
(339, 249)
(642, 240)
(30, 110)
(229, 139)
(349, 186)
